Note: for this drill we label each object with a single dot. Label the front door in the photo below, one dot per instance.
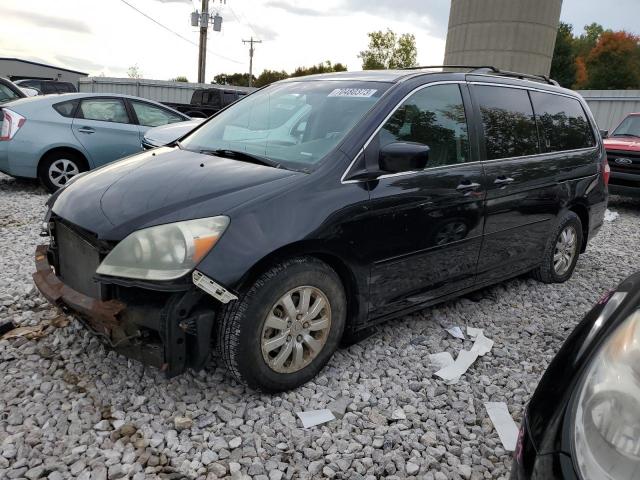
(105, 129)
(427, 224)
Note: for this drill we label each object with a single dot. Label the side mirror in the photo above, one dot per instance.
(604, 133)
(403, 157)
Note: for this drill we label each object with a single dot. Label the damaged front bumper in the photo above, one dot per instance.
(169, 330)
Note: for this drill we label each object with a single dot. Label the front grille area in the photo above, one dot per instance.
(625, 162)
(77, 261)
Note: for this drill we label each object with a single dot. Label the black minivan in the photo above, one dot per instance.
(318, 206)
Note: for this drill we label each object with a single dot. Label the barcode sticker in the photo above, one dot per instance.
(353, 92)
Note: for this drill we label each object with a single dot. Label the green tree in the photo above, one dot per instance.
(180, 78)
(387, 50)
(134, 71)
(614, 63)
(270, 76)
(235, 79)
(325, 67)
(585, 42)
(563, 64)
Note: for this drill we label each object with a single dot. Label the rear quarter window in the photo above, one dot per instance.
(66, 109)
(508, 122)
(562, 123)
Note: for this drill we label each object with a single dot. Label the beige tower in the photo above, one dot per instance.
(516, 35)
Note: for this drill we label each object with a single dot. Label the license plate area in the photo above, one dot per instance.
(78, 261)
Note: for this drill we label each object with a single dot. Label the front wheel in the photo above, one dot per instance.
(282, 332)
(562, 250)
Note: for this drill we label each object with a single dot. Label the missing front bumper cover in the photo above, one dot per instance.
(214, 289)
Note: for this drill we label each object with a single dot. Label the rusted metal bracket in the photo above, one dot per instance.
(101, 314)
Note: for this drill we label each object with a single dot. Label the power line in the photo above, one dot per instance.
(176, 33)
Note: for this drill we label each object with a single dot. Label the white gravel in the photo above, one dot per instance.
(71, 409)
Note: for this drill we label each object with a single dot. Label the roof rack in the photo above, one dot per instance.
(492, 70)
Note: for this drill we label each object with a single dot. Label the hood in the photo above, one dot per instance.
(163, 186)
(622, 143)
(164, 134)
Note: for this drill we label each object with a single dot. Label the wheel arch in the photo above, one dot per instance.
(346, 272)
(65, 149)
(583, 214)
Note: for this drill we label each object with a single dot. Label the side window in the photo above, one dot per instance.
(212, 98)
(104, 109)
(433, 116)
(48, 87)
(66, 109)
(152, 116)
(562, 123)
(228, 98)
(508, 121)
(197, 97)
(64, 87)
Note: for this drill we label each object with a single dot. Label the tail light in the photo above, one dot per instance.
(11, 123)
(606, 171)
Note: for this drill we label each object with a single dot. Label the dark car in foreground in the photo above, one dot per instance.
(583, 421)
(623, 152)
(317, 207)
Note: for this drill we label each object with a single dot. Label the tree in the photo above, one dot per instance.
(386, 50)
(236, 79)
(180, 78)
(270, 76)
(563, 65)
(325, 67)
(585, 42)
(614, 63)
(134, 72)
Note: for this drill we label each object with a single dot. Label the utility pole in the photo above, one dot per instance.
(204, 26)
(251, 42)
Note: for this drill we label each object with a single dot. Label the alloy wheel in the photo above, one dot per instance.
(565, 250)
(296, 329)
(61, 171)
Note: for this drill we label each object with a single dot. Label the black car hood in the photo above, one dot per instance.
(162, 186)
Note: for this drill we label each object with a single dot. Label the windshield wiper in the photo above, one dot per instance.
(626, 135)
(243, 156)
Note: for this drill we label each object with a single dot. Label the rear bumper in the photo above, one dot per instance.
(169, 331)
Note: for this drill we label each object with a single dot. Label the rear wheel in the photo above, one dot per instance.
(56, 169)
(282, 332)
(562, 250)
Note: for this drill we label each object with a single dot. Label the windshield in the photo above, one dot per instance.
(6, 94)
(630, 127)
(294, 124)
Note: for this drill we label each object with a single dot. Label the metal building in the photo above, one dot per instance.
(17, 69)
(516, 35)
(609, 107)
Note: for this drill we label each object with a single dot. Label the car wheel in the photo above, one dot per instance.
(57, 169)
(284, 329)
(562, 250)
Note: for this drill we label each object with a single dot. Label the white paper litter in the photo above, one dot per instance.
(504, 424)
(455, 332)
(610, 215)
(482, 345)
(473, 332)
(441, 360)
(452, 373)
(312, 418)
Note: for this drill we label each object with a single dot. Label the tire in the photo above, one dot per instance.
(548, 271)
(244, 330)
(66, 164)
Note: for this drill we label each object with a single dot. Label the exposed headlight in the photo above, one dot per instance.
(607, 423)
(164, 252)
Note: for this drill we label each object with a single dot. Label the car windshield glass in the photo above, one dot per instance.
(6, 94)
(294, 124)
(630, 127)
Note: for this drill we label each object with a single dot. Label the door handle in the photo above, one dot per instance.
(466, 186)
(86, 130)
(502, 180)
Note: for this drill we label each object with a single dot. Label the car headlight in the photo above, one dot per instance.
(164, 252)
(607, 424)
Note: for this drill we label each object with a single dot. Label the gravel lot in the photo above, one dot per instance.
(72, 409)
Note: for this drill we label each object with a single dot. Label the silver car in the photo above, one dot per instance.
(56, 137)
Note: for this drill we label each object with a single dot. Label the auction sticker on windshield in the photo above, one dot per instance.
(353, 92)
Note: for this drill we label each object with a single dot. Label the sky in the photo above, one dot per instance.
(108, 36)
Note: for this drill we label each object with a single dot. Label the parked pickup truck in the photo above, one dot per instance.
(623, 155)
(207, 101)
